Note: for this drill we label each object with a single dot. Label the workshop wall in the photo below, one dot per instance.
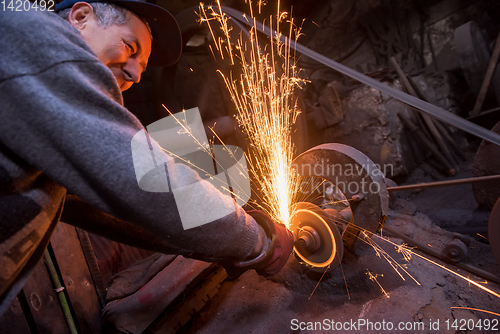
(363, 35)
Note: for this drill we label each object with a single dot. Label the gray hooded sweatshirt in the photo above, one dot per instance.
(63, 128)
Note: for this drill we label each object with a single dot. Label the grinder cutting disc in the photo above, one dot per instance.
(319, 243)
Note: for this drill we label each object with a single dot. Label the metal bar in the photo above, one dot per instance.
(445, 183)
(59, 289)
(432, 110)
(487, 79)
(435, 253)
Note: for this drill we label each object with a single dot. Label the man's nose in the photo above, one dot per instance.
(132, 71)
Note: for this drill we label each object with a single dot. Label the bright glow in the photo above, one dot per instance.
(263, 96)
(329, 237)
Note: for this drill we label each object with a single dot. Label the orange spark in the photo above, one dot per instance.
(383, 254)
(449, 270)
(476, 309)
(263, 96)
(326, 269)
(482, 236)
(374, 278)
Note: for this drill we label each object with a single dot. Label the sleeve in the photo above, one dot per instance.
(64, 121)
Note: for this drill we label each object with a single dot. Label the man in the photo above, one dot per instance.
(64, 129)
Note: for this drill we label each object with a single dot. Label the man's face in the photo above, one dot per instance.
(124, 49)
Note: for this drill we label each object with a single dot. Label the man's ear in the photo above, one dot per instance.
(80, 14)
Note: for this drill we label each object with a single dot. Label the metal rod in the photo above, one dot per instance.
(437, 254)
(444, 183)
(432, 110)
(59, 289)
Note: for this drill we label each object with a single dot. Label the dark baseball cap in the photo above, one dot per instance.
(167, 41)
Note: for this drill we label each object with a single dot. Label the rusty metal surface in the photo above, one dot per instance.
(487, 162)
(354, 174)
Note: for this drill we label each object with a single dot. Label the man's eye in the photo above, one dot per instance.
(130, 47)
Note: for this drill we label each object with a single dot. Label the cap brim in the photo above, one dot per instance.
(167, 41)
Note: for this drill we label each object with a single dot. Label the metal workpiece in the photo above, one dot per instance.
(318, 244)
(357, 177)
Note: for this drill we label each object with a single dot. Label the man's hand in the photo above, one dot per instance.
(275, 253)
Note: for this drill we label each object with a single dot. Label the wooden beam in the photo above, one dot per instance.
(135, 313)
(13, 320)
(77, 278)
(43, 302)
